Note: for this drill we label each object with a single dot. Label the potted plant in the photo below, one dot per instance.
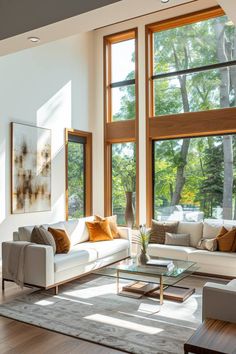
(142, 240)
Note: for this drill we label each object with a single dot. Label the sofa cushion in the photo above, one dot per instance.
(74, 258)
(77, 230)
(192, 228)
(25, 233)
(211, 228)
(223, 259)
(172, 252)
(106, 248)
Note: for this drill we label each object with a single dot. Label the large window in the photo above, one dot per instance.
(193, 65)
(195, 178)
(78, 174)
(124, 182)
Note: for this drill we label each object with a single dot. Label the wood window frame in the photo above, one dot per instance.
(191, 124)
(123, 131)
(88, 169)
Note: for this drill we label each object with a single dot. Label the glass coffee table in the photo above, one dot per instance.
(151, 280)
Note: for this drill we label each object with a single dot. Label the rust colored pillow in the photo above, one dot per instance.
(61, 239)
(99, 231)
(226, 239)
(112, 223)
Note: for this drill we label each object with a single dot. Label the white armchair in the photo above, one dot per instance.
(219, 301)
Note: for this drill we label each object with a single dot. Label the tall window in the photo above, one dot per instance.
(121, 77)
(78, 174)
(124, 182)
(121, 126)
(195, 178)
(193, 65)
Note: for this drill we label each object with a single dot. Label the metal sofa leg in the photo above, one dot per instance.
(3, 284)
(56, 290)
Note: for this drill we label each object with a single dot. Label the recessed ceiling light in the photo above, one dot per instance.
(34, 39)
(164, 1)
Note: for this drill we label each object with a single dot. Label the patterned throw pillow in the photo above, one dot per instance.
(177, 239)
(42, 236)
(159, 229)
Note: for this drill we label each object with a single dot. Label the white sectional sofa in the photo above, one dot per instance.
(215, 263)
(44, 269)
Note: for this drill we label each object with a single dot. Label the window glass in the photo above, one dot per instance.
(123, 103)
(195, 178)
(76, 179)
(189, 48)
(194, 45)
(124, 182)
(123, 60)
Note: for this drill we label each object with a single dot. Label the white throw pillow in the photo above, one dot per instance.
(194, 229)
(212, 228)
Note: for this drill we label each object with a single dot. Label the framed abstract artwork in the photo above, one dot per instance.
(30, 169)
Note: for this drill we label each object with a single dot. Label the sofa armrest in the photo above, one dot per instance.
(219, 302)
(38, 265)
(126, 233)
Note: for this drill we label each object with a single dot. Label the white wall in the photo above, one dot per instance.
(48, 86)
(98, 156)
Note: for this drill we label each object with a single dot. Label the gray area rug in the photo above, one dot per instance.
(90, 309)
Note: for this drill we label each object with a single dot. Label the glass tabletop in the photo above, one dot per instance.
(131, 269)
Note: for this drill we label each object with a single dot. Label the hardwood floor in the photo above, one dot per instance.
(19, 338)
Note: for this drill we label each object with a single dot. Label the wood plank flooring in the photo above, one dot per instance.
(20, 338)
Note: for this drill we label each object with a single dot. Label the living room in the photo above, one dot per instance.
(121, 110)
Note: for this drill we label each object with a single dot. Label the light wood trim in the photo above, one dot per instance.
(187, 19)
(121, 36)
(88, 169)
(122, 131)
(214, 122)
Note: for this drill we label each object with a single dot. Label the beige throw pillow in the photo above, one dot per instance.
(208, 244)
(159, 229)
(177, 239)
(42, 236)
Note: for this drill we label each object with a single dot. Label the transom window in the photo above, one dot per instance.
(193, 65)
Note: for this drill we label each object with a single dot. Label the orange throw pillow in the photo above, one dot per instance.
(226, 239)
(99, 231)
(61, 239)
(112, 223)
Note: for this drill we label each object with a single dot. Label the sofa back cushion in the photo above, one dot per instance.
(212, 227)
(77, 230)
(194, 229)
(25, 233)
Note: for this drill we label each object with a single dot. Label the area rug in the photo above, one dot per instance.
(89, 309)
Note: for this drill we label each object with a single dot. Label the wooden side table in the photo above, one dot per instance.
(213, 337)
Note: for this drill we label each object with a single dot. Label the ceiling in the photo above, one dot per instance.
(20, 19)
(19, 16)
